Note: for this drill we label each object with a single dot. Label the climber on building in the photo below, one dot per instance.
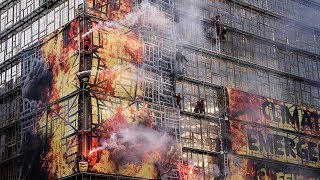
(220, 30)
(86, 42)
(200, 107)
(180, 57)
(179, 98)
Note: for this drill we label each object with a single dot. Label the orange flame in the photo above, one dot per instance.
(58, 52)
(110, 11)
(239, 133)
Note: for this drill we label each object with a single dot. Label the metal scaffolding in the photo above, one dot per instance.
(269, 51)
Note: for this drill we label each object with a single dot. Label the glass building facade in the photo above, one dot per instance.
(79, 75)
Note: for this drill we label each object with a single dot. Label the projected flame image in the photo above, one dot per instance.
(132, 146)
(159, 89)
(51, 78)
(125, 140)
(242, 168)
(52, 74)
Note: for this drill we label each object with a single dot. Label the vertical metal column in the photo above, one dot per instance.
(85, 66)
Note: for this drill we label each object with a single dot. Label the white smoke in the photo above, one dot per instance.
(189, 28)
(148, 139)
(146, 14)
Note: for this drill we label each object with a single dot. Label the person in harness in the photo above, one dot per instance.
(220, 30)
(179, 98)
(86, 42)
(180, 58)
(200, 107)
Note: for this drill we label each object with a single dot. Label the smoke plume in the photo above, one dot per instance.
(131, 144)
(33, 148)
(137, 142)
(146, 13)
(150, 139)
(189, 28)
(38, 81)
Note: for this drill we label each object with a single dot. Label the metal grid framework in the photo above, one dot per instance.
(165, 117)
(200, 134)
(290, 9)
(64, 121)
(157, 84)
(268, 52)
(257, 58)
(247, 56)
(22, 24)
(206, 165)
(236, 73)
(26, 22)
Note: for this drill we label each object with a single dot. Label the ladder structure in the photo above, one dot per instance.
(231, 66)
(194, 168)
(74, 73)
(217, 38)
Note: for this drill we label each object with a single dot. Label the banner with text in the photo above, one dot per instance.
(266, 143)
(270, 112)
(244, 168)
